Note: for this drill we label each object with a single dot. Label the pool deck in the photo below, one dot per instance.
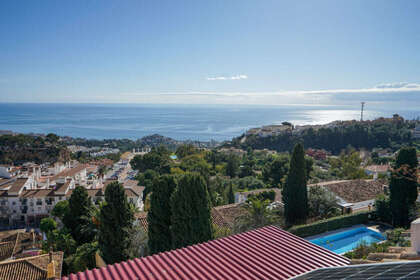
(375, 227)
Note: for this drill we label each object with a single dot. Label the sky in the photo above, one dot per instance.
(210, 52)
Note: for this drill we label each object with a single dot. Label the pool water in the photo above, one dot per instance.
(348, 240)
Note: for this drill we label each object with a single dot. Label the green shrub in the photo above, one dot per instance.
(331, 224)
(394, 238)
(363, 250)
(265, 195)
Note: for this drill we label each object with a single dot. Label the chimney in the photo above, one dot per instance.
(51, 266)
(415, 235)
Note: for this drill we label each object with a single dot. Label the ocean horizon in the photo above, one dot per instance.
(181, 122)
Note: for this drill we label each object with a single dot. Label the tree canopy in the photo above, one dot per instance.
(403, 186)
(191, 219)
(295, 193)
(116, 220)
(159, 216)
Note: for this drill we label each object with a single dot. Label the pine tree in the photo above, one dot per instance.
(191, 219)
(403, 186)
(295, 193)
(78, 215)
(232, 166)
(115, 222)
(159, 216)
(231, 196)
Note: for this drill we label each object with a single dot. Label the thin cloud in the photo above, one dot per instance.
(399, 85)
(223, 78)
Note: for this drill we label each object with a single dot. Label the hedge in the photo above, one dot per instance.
(331, 224)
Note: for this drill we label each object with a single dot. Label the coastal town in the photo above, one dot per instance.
(247, 200)
(209, 140)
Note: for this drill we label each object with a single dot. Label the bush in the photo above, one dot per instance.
(363, 250)
(394, 238)
(265, 195)
(249, 183)
(331, 224)
(322, 203)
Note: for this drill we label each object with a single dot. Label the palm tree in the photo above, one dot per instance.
(257, 215)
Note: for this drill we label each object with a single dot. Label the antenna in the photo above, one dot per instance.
(361, 113)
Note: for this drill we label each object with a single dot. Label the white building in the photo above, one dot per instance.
(22, 204)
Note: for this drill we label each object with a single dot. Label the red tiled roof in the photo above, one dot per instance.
(31, 268)
(265, 253)
(142, 218)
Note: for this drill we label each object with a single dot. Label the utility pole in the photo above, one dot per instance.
(361, 113)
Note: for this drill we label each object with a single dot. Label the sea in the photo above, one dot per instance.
(181, 122)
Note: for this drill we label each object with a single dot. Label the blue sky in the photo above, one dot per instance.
(227, 51)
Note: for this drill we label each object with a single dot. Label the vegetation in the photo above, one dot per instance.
(190, 206)
(257, 215)
(348, 165)
(116, 219)
(383, 209)
(159, 216)
(264, 196)
(322, 203)
(295, 193)
(157, 160)
(393, 238)
(275, 171)
(232, 166)
(331, 224)
(385, 133)
(78, 218)
(21, 148)
(85, 229)
(47, 225)
(231, 196)
(403, 187)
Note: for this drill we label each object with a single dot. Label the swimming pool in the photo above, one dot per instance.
(345, 241)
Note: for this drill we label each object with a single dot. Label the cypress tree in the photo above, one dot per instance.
(295, 193)
(191, 219)
(403, 186)
(231, 196)
(115, 222)
(232, 166)
(159, 216)
(78, 215)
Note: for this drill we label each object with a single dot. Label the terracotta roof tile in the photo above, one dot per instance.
(6, 250)
(32, 268)
(355, 190)
(17, 185)
(142, 218)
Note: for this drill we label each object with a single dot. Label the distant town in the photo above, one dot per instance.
(79, 204)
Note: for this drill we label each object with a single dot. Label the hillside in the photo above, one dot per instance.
(21, 148)
(382, 132)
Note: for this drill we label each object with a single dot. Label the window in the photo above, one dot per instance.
(48, 201)
(39, 201)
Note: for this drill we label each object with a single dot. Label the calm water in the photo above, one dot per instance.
(343, 242)
(177, 121)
